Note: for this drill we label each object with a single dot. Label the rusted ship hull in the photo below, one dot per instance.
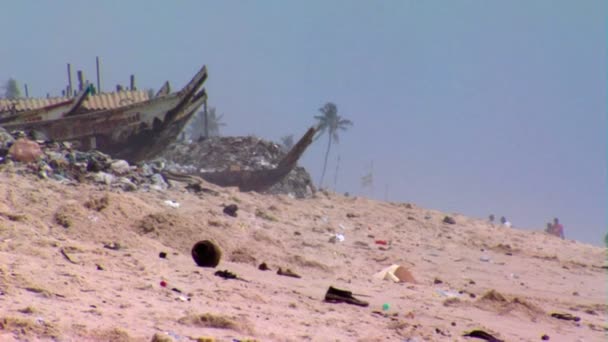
(134, 132)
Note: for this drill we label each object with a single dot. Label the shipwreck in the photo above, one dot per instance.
(134, 132)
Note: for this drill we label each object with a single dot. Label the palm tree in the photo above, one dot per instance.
(287, 142)
(331, 123)
(214, 122)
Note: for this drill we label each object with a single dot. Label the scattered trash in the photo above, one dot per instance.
(163, 283)
(396, 273)
(175, 289)
(386, 306)
(231, 209)
(206, 254)
(351, 215)
(482, 335)
(545, 337)
(449, 220)
(162, 255)
(565, 316)
(172, 204)
(158, 337)
(337, 238)
(381, 242)
(227, 275)
(67, 257)
(334, 295)
(99, 267)
(120, 166)
(288, 273)
(437, 281)
(183, 299)
(485, 258)
(113, 246)
(448, 293)
(263, 267)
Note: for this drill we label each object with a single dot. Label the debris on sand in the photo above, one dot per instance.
(334, 295)
(206, 254)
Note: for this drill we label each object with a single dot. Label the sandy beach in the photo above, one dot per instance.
(81, 262)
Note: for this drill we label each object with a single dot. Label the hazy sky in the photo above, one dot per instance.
(474, 107)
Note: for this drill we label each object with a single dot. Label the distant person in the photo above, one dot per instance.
(549, 228)
(491, 218)
(557, 228)
(505, 222)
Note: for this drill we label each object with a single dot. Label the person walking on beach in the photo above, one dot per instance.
(557, 229)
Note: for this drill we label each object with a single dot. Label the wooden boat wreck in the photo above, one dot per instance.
(50, 112)
(134, 132)
(252, 180)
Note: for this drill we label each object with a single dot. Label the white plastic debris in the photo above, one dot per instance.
(172, 204)
(485, 258)
(448, 293)
(120, 166)
(103, 177)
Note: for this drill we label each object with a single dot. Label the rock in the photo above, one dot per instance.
(25, 151)
(449, 220)
(231, 210)
(158, 337)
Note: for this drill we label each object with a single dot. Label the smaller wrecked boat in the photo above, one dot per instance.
(252, 180)
(134, 132)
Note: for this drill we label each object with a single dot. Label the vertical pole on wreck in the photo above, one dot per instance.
(98, 77)
(69, 90)
(80, 75)
(206, 119)
(27, 93)
(132, 82)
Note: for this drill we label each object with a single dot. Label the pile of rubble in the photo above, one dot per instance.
(62, 162)
(242, 153)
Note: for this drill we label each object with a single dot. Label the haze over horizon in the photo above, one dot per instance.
(466, 106)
